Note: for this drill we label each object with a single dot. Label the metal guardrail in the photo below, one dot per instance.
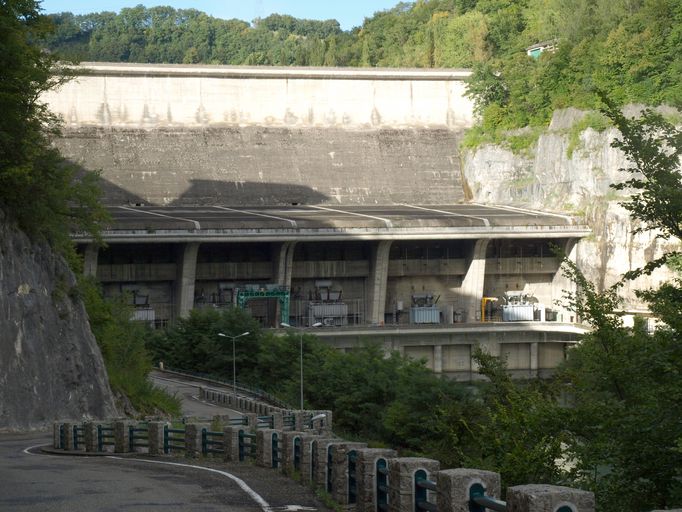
(352, 477)
(265, 422)
(288, 422)
(297, 454)
(78, 436)
(329, 486)
(254, 392)
(138, 437)
(382, 485)
(170, 441)
(421, 487)
(212, 442)
(246, 449)
(276, 451)
(236, 422)
(105, 437)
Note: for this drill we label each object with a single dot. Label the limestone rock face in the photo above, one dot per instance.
(50, 364)
(573, 177)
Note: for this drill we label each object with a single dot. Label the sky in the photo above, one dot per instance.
(349, 13)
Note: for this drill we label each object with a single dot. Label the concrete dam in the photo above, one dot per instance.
(313, 196)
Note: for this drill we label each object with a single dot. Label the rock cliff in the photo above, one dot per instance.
(571, 176)
(50, 364)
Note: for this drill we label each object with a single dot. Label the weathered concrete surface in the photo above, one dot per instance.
(254, 165)
(50, 364)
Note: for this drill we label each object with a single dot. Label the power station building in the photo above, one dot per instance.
(315, 196)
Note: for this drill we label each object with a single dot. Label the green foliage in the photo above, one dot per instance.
(594, 120)
(122, 343)
(45, 194)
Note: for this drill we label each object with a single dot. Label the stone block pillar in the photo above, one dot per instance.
(309, 457)
(90, 260)
(90, 436)
(155, 436)
(288, 444)
(265, 446)
(401, 477)
(251, 420)
(56, 435)
(472, 284)
(341, 466)
(367, 476)
(454, 487)
(277, 420)
(283, 262)
(323, 425)
(185, 278)
(68, 436)
(121, 437)
(548, 498)
(192, 439)
(378, 278)
(322, 462)
(231, 443)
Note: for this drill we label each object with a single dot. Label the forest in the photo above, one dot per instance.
(630, 48)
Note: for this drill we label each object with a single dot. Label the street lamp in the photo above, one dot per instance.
(234, 360)
(300, 336)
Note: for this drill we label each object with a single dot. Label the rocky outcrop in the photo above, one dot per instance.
(50, 364)
(571, 172)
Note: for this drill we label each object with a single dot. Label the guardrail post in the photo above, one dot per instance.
(401, 476)
(267, 455)
(277, 419)
(251, 420)
(367, 474)
(90, 436)
(231, 443)
(155, 436)
(553, 498)
(321, 425)
(192, 439)
(289, 442)
(308, 452)
(121, 439)
(320, 472)
(57, 435)
(341, 472)
(300, 419)
(68, 436)
(454, 487)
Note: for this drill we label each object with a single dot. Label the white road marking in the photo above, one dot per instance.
(292, 222)
(241, 483)
(388, 223)
(485, 221)
(197, 225)
(27, 451)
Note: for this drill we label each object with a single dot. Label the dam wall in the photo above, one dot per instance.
(187, 135)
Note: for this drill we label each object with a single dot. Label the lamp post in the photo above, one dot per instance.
(300, 337)
(234, 360)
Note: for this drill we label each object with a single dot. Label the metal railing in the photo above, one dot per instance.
(265, 422)
(105, 437)
(421, 487)
(352, 477)
(297, 454)
(173, 442)
(382, 485)
(329, 485)
(212, 442)
(138, 436)
(247, 445)
(276, 451)
(237, 422)
(288, 422)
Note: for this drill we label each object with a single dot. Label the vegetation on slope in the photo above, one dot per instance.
(49, 198)
(631, 48)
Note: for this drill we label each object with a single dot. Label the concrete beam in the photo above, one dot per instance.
(283, 262)
(472, 284)
(185, 282)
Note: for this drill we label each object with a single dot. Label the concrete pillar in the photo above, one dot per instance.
(560, 283)
(548, 498)
(321, 471)
(401, 476)
(341, 472)
(192, 439)
(231, 444)
(378, 277)
(90, 260)
(57, 435)
(90, 436)
(185, 278)
(472, 284)
(283, 263)
(121, 437)
(155, 437)
(438, 358)
(309, 449)
(533, 359)
(454, 486)
(367, 476)
(288, 440)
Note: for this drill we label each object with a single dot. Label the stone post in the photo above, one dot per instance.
(308, 457)
(90, 436)
(321, 470)
(548, 498)
(155, 435)
(121, 437)
(251, 420)
(454, 486)
(277, 420)
(265, 438)
(56, 435)
(401, 473)
(192, 439)
(367, 476)
(323, 425)
(231, 443)
(288, 440)
(377, 281)
(341, 472)
(68, 436)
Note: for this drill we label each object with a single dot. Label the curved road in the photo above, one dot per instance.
(32, 481)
